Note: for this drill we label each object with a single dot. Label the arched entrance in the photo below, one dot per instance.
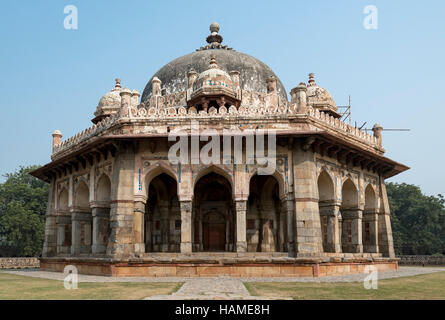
(162, 216)
(214, 231)
(266, 222)
(213, 214)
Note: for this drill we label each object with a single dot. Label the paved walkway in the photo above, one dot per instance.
(221, 288)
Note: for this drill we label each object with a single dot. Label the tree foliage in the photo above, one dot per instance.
(23, 200)
(418, 221)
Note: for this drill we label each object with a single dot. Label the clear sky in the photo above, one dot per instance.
(52, 78)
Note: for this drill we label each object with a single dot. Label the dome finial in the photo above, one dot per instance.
(118, 83)
(312, 79)
(213, 64)
(214, 38)
(214, 27)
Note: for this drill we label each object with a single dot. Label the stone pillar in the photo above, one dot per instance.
(331, 211)
(299, 96)
(186, 226)
(201, 246)
(165, 226)
(148, 232)
(101, 219)
(138, 227)
(63, 222)
(352, 239)
(227, 235)
(307, 222)
(370, 231)
(80, 231)
(50, 241)
(290, 215)
(241, 243)
(282, 230)
(122, 202)
(385, 239)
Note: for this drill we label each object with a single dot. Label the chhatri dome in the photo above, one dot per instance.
(109, 104)
(320, 98)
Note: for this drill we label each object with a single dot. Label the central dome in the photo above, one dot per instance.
(253, 73)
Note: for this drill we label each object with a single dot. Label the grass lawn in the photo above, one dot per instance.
(14, 287)
(430, 286)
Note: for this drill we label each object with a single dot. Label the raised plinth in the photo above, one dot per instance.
(235, 265)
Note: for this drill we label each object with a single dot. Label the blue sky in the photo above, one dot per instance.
(52, 78)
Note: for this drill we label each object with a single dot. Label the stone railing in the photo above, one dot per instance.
(142, 112)
(343, 126)
(421, 260)
(85, 134)
(19, 263)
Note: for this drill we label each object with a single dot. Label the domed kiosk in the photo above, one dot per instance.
(213, 171)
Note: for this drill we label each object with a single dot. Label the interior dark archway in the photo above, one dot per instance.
(213, 214)
(162, 218)
(266, 222)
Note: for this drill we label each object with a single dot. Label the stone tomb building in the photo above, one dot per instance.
(119, 206)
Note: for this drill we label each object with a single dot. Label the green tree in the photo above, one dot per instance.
(418, 221)
(23, 200)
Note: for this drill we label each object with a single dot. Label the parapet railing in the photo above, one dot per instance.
(142, 112)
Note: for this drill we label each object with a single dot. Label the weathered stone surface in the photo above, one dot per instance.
(116, 192)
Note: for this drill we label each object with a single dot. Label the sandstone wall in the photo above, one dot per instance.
(19, 263)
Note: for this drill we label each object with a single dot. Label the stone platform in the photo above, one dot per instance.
(222, 264)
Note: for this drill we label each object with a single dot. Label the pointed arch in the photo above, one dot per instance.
(82, 195)
(279, 179)
(155, 171)
(349, 194)
(103, 189)
(326, 189)
(63, 200)
(215, 169)
(370, 198)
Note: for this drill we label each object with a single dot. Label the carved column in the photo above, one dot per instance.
(101, 220)
(241, 243)
(148, 231)
(307, 228)
(290, 212)
(201, 246)
(50, 243)
(186, 226)
(331, 212)
(165, 225)
(370, 231)
(385, 239)
(122, 202)
(282, 229)
(138, 227)
(227, 234)
(352, 230)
